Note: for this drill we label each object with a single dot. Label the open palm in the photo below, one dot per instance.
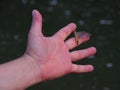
(52, 54)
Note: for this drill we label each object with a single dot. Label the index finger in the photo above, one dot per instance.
(66, 31)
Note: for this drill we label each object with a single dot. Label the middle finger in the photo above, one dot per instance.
(82, 37)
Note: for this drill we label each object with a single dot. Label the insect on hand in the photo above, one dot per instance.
(76, 37)
(81, 34)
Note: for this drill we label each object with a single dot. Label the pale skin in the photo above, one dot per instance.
(45, 58)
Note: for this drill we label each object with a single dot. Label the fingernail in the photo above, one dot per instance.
(73, 26)
(83, 34)
(33, 12)
(89, 68)
(93, 49)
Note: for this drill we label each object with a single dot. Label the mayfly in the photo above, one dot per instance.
(76, 37)
(81, 34)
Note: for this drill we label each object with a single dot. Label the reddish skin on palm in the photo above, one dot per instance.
(52, 54)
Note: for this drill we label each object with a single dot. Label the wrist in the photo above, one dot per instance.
(34, 67)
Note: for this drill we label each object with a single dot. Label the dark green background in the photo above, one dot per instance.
(101, 18)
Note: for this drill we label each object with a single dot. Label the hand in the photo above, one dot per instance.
(52, 54)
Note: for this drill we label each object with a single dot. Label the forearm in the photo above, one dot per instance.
(18, 74)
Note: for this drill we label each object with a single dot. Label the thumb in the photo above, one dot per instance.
(36, 27)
